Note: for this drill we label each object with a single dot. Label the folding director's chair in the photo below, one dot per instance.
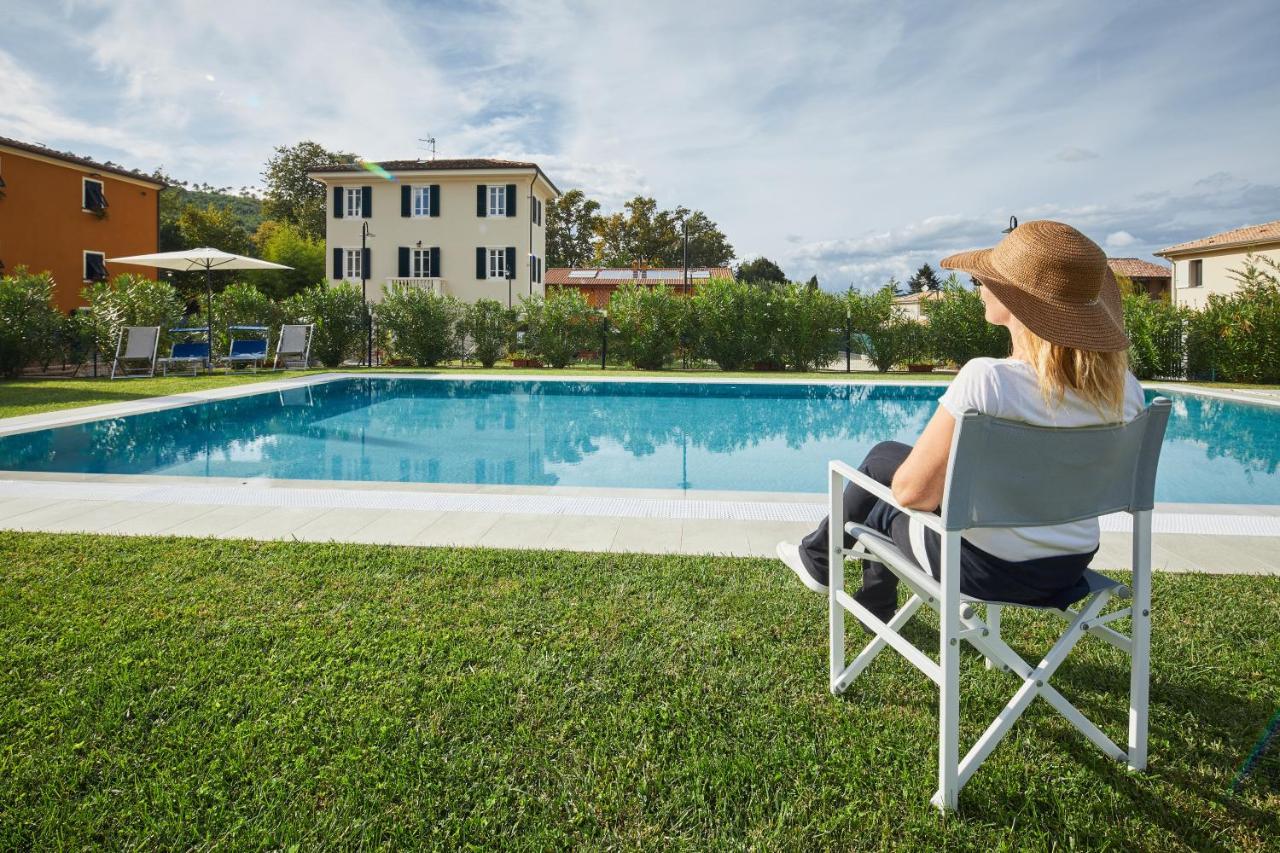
(1009, 474)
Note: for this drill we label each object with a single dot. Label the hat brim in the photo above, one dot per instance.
(1097, 326)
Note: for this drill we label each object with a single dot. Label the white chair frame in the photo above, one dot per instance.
(135, 349)
(308, 331)
(1005, 454)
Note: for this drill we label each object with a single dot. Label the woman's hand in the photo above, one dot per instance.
(920, 481)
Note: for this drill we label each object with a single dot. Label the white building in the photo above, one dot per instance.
(471, 229)
(1207, 265)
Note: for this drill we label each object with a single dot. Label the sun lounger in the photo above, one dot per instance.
(294, 345)
(136, 352)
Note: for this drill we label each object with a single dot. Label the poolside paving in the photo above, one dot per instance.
(1189, 537)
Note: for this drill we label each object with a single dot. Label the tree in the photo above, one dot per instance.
(646, 235)
(957, 326)
(812, 283)
(212, 226)
(284, 243)
(559, 326)
(647, 323)
(924, 279)
(761, 270)
(293, 197)
(571, 229)
(242, 204)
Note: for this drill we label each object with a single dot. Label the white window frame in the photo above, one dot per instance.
(421, 200)
(497, 199)
(1195, 272)
(84, 264)
(352, 260)
(102, 186)
(420, 264)
(497, 263)
(356, 210)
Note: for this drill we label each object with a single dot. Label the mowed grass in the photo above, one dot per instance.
(182, 693)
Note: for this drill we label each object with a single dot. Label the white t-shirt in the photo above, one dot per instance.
(1008, 388)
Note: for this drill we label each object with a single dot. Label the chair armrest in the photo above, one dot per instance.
(884, 493)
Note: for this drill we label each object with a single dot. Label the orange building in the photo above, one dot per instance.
(67, 215)
(597, 284)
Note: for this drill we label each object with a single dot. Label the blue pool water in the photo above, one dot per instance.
(753, 437)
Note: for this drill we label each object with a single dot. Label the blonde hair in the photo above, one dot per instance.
(1098, 377)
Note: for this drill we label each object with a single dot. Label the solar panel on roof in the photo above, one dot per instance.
(700, 274)
(582, 274)
(666, 275)
(614, 275)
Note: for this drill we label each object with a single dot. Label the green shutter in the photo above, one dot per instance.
(366, 202)
(482, 208)
(404, 262)
(481, 263)
(511, 199)
(435, 256)
(337, 263)
(511, 261)
(337, 203)
(365, 267)
(435, 203)
(406, 200)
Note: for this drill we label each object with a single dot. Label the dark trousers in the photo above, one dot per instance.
(1044, 581)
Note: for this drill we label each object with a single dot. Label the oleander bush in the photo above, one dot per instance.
(646, 324)
(957, 327)
(130, 299)
(488, 328)
(421, 326)
(339, 317)
(1157, 336)
(240, 304)
(809, 322)
(1236, 337)
(725, 325)
(559, 326)
(31, 329)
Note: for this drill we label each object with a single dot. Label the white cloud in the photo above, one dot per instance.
(1120, 239)
(1075, 154)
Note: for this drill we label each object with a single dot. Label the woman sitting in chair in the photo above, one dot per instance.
(1051, 287)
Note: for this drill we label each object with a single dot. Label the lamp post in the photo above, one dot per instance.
(511, 278)
(365, 234)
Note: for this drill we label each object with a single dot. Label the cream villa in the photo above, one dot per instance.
(471, 229)
(1204, 266)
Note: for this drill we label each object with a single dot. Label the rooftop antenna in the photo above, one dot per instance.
(430, 144)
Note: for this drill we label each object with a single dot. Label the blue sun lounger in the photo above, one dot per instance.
(250, 351)
(192, 353)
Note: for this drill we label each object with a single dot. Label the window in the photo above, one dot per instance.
(1197, 274)
(422, 201)
(498, 260)
(94, 196)
(353, 257)
(355, 202)
(95, 266)
(420, 263)
(497, 200)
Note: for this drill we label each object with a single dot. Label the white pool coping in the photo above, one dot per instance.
(1207, 537)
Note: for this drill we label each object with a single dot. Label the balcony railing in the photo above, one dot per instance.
(435, 285)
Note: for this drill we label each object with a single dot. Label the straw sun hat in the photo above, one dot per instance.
(1056, 281)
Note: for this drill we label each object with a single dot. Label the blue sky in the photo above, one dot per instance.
(854, 140)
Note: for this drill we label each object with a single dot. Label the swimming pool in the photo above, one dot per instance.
(761, 437)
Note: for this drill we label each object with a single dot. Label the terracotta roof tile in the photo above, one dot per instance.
(432, 165)
(77, 160)
(1267, 232)
(1137, 268)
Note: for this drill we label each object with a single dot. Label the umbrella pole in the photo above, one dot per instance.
(208, 287)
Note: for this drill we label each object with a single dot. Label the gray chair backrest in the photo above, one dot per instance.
(293, 339)
(1012, 474)
(141, 342)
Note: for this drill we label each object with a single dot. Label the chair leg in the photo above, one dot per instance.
(835, 579)
(948, 794)
(993, 625)
(1140, 620)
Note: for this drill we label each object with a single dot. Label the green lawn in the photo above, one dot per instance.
(170, 693)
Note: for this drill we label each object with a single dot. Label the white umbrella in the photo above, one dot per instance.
(200, 259)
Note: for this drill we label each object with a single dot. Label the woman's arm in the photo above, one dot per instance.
(919, 483)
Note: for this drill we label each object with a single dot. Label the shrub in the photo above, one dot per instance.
(878, 332)
(422, 325)
(646, 323)
(809, 319)
(489, 327)
(1156, 332)
(1236, 338)
(725, 325)
(241, 304)
(31, 329)
(339, 318)
(130, 300)
(957, 327)
(559, 326)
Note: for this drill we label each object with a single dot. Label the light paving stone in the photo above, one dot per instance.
(51, 514)
(648, 535)
(396, 526)
(723, 538)
(156, 520)
(93, 517)
(458, 528)
(582, 533)
(338, 525)
(215, 523)
(517, 531)
(277, 523)
(1217, 554)
(763, 537)
(13, 507)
